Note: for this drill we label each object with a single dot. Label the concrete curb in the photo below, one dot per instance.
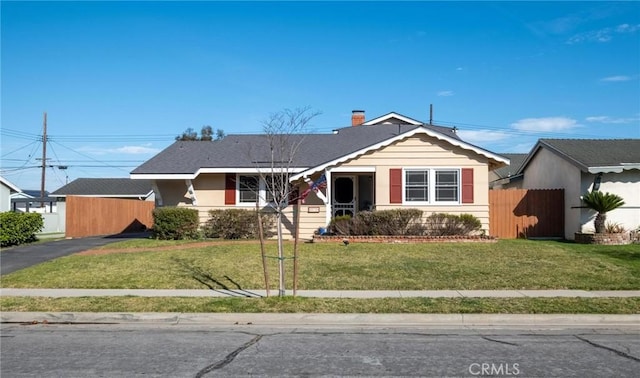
(325, 320)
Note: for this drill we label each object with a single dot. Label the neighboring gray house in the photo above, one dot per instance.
(7, 188)
(581, 165)
(508, 177)
(107, 188)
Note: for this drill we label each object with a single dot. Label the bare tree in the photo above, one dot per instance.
(284, 135)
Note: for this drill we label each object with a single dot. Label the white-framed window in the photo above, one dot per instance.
(431, 186)
(447, 186)
(250, 187)
(416, 185)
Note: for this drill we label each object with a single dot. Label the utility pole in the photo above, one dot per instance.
(44, 157)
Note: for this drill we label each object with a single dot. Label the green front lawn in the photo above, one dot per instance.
(508, 264)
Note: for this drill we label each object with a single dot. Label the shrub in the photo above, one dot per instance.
(175, 223)
(19, 228)
(442, 224)
(340, 225)
(383, 222)
(237, 224)
(398, 222)
(614, 228)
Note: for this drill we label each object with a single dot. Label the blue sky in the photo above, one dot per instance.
(119, 80)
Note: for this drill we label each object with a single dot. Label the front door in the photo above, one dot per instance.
(344, 196)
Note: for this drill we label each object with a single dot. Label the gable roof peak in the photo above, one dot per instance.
(390, 116)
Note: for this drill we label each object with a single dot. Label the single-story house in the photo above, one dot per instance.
(7, 188)
(508, 177)
(123, 188)
(32, 201)
(582, 165)
(388, 162)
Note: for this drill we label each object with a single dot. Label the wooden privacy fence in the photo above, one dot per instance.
(91, 216)
(526, 213)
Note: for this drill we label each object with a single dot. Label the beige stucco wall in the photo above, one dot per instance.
(427, 152)
(549, 171)
(627, 186)
(209, 189)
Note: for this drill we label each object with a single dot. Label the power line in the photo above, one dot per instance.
(20, 134)
(89, 157)
(21, 148)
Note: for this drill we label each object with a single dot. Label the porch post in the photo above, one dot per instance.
(154, 186)
(328, 202)
(192, 192)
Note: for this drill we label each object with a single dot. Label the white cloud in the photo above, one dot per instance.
(445, 93)
(136, 150)
(616, 78)
(126, 150)
(602, 35)
(626, 28)
(607, 119)
(545, 124)
(482, 136)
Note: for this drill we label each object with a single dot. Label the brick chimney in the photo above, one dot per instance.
(357, 117)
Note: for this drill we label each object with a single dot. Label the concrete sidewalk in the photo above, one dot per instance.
(60, 293)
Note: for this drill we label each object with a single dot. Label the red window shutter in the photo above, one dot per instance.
(467, 185)
(230, 189)
(395, 185)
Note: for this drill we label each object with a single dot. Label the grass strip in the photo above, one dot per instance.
(324, 305)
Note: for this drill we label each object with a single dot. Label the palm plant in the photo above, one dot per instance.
(602, 203)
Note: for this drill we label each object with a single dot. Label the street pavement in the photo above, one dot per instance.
(166, 350)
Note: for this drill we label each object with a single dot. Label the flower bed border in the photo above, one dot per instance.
(405, 239)
(603, 239)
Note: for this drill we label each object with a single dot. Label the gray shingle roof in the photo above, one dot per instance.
(250, 151)
(105, 187)
(513, 168)
(587, 153)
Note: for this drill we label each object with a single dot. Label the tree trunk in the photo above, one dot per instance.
(281, 290)
(262, 253)
(599, 222)
(296, 224)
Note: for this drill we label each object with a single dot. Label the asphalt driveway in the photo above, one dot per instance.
(21, 257)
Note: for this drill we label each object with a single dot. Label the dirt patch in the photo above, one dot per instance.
(95, 252)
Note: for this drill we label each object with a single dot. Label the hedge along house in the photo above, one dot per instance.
(388, 162)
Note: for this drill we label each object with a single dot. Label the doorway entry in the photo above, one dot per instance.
(344, 196)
